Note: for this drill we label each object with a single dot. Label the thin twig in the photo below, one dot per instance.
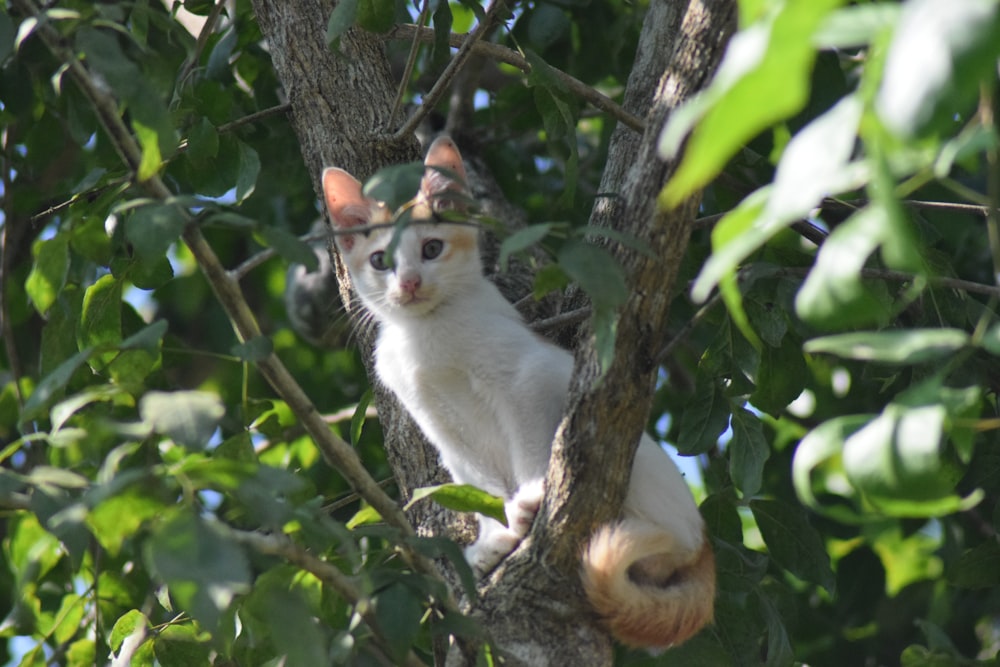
(206, 31)
(252, 262)
(511, 57)
(441, 85)
(254, 117)
(411, 62)
(561, 320)
(688, 327)
(989, 110)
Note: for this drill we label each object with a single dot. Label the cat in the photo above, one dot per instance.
(489, 393)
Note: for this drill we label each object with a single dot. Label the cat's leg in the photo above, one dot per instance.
(495, 540)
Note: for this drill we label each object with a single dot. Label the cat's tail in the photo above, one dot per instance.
(648, 590)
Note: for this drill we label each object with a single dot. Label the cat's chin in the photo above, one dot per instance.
(414, 307)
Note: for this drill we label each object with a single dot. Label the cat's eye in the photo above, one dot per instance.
(431, 248)
(377, 260)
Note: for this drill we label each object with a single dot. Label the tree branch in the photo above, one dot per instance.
(206, 31)
(510, 57)
(457, 62)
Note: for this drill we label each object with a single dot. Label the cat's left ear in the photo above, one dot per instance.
(437, 185)
(347, 206)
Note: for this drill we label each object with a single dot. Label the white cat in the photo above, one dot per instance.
(489, 393)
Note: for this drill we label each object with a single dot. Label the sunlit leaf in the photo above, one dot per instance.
(763, 78)
(462, 498)
(48, 273)
(939, 56)
(901, 346)
(187, 417)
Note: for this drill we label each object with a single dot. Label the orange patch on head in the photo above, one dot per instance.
(459, 239)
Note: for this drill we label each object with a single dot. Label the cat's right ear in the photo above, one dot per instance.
(347, 206)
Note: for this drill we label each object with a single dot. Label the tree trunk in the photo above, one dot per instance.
(532, 605)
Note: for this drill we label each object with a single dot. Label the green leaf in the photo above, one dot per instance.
(48, 272)
(343, 17)
(50, 388)
(462, 498)
(748, 450)
(398, 611)
(181, 646)
(364, 516)
(734, 239)
(202, 569)
(833, 295)
(779, 649)
(153, 229)
(188, 418)
(129, 623)
(101, 319)
(149, 338)
(254, 350)
(522, 240)
(856, 25)
(294, 630)
(793, 542)
(395, 185)
(7, 35)
(119, 517)
(939, 56)
(780, 379)
(203, 142)
(813, 166)
(596, 271)
(978, 567)
(549, 278)
(289, 246)
(376, 15)
(248, 168)
(904, 346)
(899, 456)
(149, 142)
(704, 418)
(359, 416)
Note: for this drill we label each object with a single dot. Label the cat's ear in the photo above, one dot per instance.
(347, 206)
(446, 188)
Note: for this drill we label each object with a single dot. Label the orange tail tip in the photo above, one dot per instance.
(649, 592)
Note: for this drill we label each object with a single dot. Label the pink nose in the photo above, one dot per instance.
(409, 284)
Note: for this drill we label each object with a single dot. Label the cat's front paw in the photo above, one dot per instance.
(522, 508)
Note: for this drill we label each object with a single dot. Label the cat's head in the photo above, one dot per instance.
(433, 261)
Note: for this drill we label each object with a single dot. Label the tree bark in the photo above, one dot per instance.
(532, 605)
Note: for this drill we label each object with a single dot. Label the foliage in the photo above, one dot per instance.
(162, 501)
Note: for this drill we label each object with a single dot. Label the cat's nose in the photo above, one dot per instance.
(409, 284)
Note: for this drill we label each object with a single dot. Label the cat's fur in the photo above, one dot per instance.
(489, 393)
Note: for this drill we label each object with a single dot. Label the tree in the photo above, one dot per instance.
(186, 480)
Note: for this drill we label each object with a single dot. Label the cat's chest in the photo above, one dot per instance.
(430, 368)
